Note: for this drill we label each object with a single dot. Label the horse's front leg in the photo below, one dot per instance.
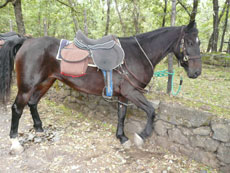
(140, 101)
(122, 108)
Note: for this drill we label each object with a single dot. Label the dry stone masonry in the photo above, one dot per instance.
(199, 135)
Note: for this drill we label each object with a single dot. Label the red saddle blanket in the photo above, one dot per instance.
(74, 61)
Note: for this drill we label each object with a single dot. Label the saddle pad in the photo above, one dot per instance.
(63, 43)
(108, 59)
(74, 61)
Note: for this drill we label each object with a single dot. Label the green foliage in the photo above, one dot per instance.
(60, 23)
(217, 58)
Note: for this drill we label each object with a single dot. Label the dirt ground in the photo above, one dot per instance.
(77, 142)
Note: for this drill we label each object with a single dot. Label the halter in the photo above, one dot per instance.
(183, 48)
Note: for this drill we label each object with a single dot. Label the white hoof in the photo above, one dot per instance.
(16, 147)
(138, 141)
(127, 144)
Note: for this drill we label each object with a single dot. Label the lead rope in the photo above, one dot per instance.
(164, 73)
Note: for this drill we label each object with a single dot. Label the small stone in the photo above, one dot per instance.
(37, 140)
(221, 130)
(203, 131)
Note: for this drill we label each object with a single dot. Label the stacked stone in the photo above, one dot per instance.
(197, 134)
(200, 135)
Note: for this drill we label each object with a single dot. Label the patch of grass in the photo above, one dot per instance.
(209, 92)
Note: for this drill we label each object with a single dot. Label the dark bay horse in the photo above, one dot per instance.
(37, 69)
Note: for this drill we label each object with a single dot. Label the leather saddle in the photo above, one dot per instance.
(106, 52)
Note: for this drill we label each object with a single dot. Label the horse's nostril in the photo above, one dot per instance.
(197, 73)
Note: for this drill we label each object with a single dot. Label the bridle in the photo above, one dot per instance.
(186, 57)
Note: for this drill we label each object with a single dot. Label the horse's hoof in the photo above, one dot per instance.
(127, 144)
(16, 147)
(39, 129)
(138, 141)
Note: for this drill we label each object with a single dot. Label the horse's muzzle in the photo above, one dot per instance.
(194, 75)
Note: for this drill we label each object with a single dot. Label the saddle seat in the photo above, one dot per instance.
(80, 36)
(106, 52)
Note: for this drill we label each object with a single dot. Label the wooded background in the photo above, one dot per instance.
(62, 18)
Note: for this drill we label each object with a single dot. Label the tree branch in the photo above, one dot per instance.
(7, 1)
(186, 9)
(194, 10)
(67, 5)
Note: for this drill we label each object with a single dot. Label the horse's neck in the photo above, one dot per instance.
(162, 44)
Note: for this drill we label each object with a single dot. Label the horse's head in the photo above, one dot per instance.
(187, 50)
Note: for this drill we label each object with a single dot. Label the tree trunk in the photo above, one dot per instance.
(11, 25)
(215, 25)
(225, 26)
(19, 17)
(136, 15)
(170, 56)
(85, 22)
(45, 27)
(72, 4)
(108, 17)
(210, 43)
(121, 21)
(194, 10)
(165, 11)
(228, 49)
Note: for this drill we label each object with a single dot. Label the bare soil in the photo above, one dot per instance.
(76, 142)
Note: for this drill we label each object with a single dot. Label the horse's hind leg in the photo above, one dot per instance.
(40, 91)
(122, 108)
(24, 97)
(140, 101)
(17, 109)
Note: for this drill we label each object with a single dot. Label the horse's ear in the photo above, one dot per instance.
(190, 26)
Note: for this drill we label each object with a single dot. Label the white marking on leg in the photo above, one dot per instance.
(16, 147)
(138, 140)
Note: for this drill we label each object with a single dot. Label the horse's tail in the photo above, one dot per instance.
(7, 55)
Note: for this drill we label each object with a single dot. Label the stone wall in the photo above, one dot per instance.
(196, 134)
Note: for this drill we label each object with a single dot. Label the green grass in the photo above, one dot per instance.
(209, 92)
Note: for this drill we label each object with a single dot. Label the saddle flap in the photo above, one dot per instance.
(108, 59)
(71, 53)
